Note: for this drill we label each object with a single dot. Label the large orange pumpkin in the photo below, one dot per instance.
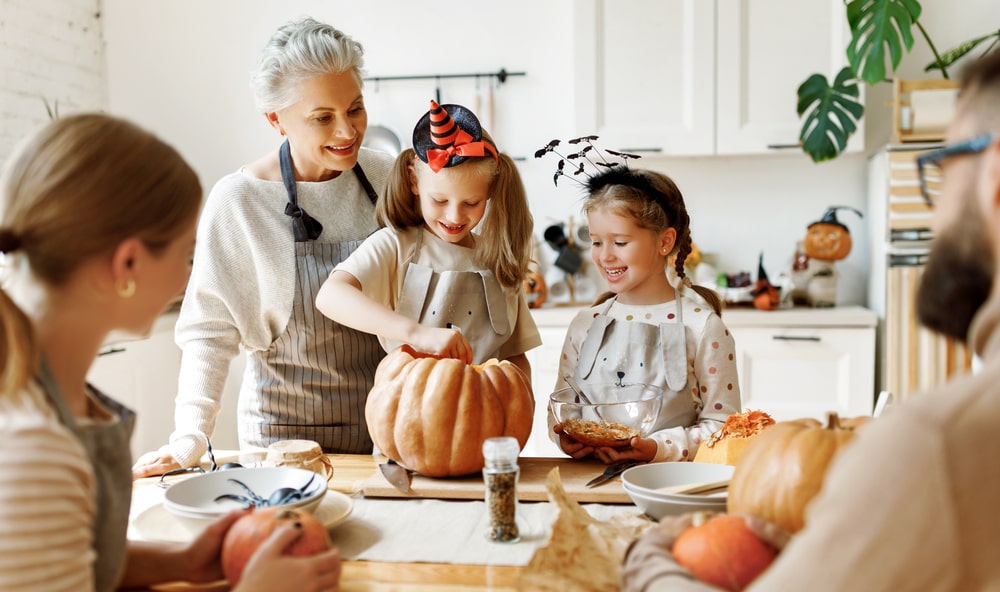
(432, 415)
(723, 551)
(784, 466)
(249, 531)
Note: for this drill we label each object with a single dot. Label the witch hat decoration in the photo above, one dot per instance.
(765, 295)
(449, 134)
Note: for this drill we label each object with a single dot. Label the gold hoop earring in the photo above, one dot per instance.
(126, 290)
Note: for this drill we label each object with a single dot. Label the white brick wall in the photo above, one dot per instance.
(51, 49)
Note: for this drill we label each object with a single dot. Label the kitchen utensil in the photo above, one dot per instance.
(530, 485)
(568, 259)
(693, 488)
(381, 137)
(397, 475)
(611, 472)
(576, 389)
(210, 496)
(608, 415)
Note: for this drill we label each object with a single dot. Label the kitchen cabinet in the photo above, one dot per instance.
(793, 363)
(552, 326)
(706, 79)
(804, 362)
(141, 373)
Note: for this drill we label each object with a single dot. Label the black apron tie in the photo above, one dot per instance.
(305, 227)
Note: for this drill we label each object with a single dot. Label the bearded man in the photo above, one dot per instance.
(914, 502)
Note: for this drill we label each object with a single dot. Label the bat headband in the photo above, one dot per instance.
(447, 135)
(605, 172)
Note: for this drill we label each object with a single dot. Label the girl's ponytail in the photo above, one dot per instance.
(19, 356)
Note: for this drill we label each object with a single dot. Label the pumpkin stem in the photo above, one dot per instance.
(832, 420)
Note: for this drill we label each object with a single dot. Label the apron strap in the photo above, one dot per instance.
(365, 183)
(496, 303)
(304, 227)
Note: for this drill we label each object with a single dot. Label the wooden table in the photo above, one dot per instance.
(350, 473)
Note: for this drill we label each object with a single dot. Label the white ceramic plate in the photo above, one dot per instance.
(159, 524)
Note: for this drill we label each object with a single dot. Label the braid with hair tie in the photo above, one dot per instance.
(9, 241)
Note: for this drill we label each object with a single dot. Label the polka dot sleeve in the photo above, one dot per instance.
(714, 391)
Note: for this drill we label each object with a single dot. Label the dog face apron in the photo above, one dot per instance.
(472, 302)
(617, 353)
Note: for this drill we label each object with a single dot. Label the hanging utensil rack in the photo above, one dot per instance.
(501, 75)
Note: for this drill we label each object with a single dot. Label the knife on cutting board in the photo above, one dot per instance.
(611, 472)
(397, 475)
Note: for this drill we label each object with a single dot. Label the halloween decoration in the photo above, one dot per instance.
(828, 239)
(449, 134)
(783, 468)
(766, 296)
(432, 415)
(535, 290)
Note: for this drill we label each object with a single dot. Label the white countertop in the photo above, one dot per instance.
(839, 316)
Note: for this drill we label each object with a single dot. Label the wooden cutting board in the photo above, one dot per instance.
(530, 486)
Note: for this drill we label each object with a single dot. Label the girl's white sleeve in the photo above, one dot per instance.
(47, 505)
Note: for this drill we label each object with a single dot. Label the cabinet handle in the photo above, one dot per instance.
(796, 338)
(783, 146)
(113, 350)
(633, 150)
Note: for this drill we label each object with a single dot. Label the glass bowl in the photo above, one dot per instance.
(610, 416)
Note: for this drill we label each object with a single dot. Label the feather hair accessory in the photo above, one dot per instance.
(575, 164)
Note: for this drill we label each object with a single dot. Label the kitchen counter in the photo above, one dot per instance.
(370, 525)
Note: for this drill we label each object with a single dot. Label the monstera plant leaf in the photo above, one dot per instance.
(877, 25)
(833, 112)
(958, 52)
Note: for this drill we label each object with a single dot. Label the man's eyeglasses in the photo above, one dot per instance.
(929, 165)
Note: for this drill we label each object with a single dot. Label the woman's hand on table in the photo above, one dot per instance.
(153, 464)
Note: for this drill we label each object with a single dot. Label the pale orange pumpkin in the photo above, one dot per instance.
(249, 531)
(783, 468)
(723, 551)
(432, 415)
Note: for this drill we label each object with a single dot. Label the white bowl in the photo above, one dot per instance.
(657, 508)
(195, 498)
(643, 483)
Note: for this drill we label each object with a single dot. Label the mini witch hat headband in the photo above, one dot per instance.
(447, 135)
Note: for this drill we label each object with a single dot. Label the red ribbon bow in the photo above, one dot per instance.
(437, 159)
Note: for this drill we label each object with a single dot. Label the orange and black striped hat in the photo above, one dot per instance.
(449, 134)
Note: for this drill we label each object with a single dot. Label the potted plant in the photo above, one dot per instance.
(830, 111)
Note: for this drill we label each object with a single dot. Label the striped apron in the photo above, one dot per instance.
(107, 446)
(312, 383)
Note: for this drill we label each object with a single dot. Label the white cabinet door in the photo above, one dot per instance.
(765, 50)
(794, 372)
(544, 372)
(645, 74)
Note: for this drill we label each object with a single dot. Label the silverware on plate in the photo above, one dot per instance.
(611, 472)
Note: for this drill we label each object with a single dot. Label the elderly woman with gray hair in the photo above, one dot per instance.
(269, 235)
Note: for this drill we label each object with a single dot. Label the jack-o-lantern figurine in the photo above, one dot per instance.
(535, 290)
(828, 239)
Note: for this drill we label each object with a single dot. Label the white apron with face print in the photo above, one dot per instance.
(457, 299)
(618, 353)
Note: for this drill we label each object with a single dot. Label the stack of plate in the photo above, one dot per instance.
(196, 498)
(645, 485)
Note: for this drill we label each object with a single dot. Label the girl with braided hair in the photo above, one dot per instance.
(644, 330)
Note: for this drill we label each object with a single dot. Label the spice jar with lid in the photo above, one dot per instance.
(500, 475)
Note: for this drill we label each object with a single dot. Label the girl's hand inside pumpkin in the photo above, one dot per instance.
(446, 343)
(641, 449)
